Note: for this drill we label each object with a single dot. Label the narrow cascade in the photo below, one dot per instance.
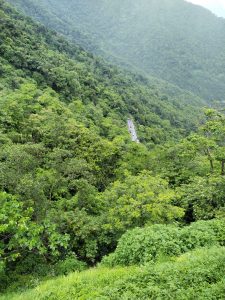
(132, 131)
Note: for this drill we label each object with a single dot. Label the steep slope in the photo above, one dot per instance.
(49, 15)
(170, 39)
(71, 180)
(75, 74)
(65, 147)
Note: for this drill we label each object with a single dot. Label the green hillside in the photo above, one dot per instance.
(48, 14)
(197, 274)
(170, 39)
(105, 86)
(64, 140)
(187, 277)
(75, 191)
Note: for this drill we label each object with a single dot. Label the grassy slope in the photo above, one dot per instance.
(195, 275)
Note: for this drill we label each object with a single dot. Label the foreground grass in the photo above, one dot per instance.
(84, 285)
(195, 275)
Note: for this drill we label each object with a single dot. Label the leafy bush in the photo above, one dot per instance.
(31, 263)
(195, 275)
(19, 233)
(70, 264)
(142, 245)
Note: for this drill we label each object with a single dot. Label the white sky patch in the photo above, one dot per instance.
(216, 6)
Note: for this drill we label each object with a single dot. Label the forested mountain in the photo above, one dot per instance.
(170, 39)
(74, 188)
(64, 140)
(75, 74)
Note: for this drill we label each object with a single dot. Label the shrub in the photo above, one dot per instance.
(194, 275)
(70, 264)
(142, 245)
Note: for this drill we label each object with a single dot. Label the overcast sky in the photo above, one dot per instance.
(216, 6)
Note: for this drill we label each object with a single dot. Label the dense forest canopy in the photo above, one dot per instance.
(171, 39)
(76, 192)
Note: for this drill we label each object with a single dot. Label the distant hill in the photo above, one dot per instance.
(171, 39)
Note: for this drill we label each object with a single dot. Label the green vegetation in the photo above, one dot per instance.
(198, 274)
(170, 39)
(142, 245)
(74, 188)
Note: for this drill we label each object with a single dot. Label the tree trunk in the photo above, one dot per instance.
(211, 165)
(223, 167)
(210, 160)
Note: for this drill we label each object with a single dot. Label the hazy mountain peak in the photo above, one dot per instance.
(216, 6)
